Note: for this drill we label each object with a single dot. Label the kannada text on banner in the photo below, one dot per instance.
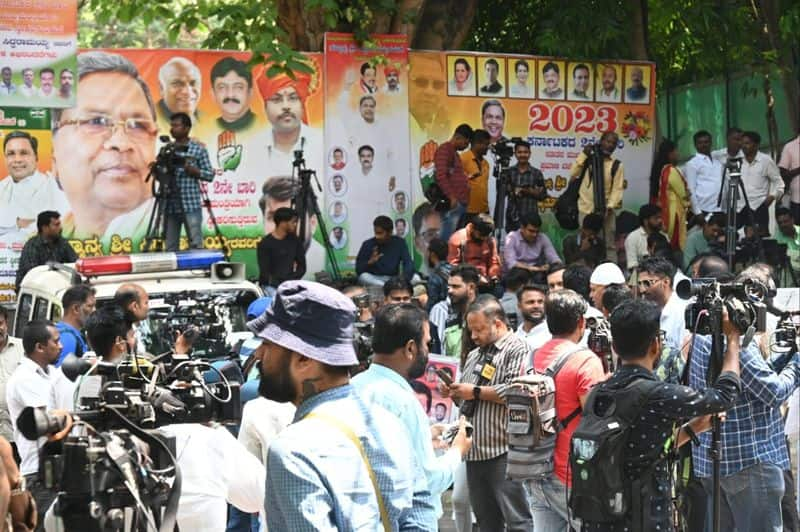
(39, 41)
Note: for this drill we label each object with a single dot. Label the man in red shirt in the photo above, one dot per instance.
(475, 245)
(451, 178)
(564, 310)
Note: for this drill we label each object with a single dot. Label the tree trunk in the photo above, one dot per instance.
(443, 24)
(769, 10)
(638, 33)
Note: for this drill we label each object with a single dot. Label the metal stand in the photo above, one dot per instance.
(733, 169)
(305, 202)
(156, 235)
(502, 177)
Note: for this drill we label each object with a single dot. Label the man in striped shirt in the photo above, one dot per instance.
(489, 369)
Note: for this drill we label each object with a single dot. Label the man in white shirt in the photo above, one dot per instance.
(533, 328)
(762, 184)
(704, 176)
(10, 355)
(31, 385)
(650, 221)
(28, 89)
(732, 149)
(789, 165)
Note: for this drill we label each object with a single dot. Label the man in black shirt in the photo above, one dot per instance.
(281, 254)
(586, 245)
(47, 246)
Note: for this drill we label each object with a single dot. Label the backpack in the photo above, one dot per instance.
(435, 195)
(566, 206)
(601, 492)
(532, 422)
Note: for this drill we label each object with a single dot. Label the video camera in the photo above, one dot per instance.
(744, 302)
(170, 157)
(503, 150)
(599, 341)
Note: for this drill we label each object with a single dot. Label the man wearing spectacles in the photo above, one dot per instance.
(655, 284)
(102, 148)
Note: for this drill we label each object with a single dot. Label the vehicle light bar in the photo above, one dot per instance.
(149, 262)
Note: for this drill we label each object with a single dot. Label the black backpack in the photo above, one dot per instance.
(601, 492)
(566, 206)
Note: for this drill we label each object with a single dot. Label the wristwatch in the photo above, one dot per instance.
(476, 392)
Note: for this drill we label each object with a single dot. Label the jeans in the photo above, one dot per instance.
(193, 221)
(239, 521)
(549, 504)
(499, 504)
(369, 279)
(43, 496)
(750, 500)
(450, 221)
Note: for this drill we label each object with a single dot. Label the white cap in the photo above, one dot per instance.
(606, 274)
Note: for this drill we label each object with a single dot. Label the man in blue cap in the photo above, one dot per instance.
(342, 464)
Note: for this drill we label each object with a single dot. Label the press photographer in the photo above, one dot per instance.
(752, 451)
(184, 207)
(526, 186)
(620, 479)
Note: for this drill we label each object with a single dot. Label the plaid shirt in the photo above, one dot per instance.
(520, 205)
(191, 198)
(450, 174)
(753, 430)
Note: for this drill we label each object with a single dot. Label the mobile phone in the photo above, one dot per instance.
(445, 376)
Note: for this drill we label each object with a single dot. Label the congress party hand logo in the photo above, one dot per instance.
(229, 154)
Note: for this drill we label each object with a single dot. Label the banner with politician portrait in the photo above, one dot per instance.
(366, 140)
(557, 105)
(38, 44)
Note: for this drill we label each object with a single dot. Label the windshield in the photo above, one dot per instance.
(216, 314)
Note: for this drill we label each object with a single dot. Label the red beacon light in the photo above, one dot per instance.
(199, 259)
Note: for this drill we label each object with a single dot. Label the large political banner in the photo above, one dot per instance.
(557, 105)
(366, 140)
(94, 158)
(38, 44)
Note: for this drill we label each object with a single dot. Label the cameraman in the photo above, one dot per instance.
(527, 187)
(754, 453)
(184, 207)
(638, 342)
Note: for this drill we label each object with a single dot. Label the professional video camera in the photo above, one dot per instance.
(599, 341)
(503, 150)
(170, 157)
(744, 302)
(362, 341)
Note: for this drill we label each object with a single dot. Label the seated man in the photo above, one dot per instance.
(700, 240)
(281, 255)
(380, 257)
(587, 245)
(475, 245)
(529, 249)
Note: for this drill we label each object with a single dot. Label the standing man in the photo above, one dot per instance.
(77, 303)
(281, 255)
(476, 246)
(448, 315)
(232, 88)
(340, 464)
(187, 208)
(789, 234)
(602, 277)
(587, 245)
(26, 191)
(47, 78)
(762, 184)
(581, 370)
(490, 367)
(613, 187)
(789, 165)
(492, 86)
(533, 328)
(10, 356)
(530, 249)
(438, 272)
(732, 149)
(650, 222)
(451, 178)
(401, 336)
(48, 245)
(381, 257)
(28, 89)
(7, 88)
(580, 83)
(527, 187)
(180, 83)
(704, 176)
(476, 169)
(31, 385)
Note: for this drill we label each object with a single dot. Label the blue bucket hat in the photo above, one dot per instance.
(311, 319)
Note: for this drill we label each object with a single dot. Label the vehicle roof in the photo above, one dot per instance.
(52, 283)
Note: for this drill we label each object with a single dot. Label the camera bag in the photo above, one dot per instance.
(533, 425)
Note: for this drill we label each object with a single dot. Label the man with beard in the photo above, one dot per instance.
(475, 245)
(650, 222)
(65, 90)
(527, 187)
(533, 328)
(608, 91)
(489, 368)
(603, 276)
(655, 284)
(48, 245)
(580, 370)
(400, 341)
(77, 303)
(392, 80)
(704, 176)
(232, 88)
(102, 148)
(26, 191)
(762, 185)
(448, 315)
(342, 452)
(382, 256)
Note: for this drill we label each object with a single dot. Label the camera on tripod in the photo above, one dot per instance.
(599, 341)
(170, 157)
(744, 302)
(198, 316)
(503, 150)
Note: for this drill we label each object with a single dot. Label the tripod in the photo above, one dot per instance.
(306, 203)
(733, 169)
(504, 192)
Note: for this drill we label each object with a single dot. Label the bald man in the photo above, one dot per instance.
(180, 84)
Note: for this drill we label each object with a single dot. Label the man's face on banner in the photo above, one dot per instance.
(494, 119)
(20, 158)
(367, 109)
(66, 81)
(182, 90)
(101, 169)
(551, 80)
(581, 79)
(232, 94)
(285, 110)
(427, 75)
(27, 77)
(6, 74)
(46, 81)
(609, 78)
